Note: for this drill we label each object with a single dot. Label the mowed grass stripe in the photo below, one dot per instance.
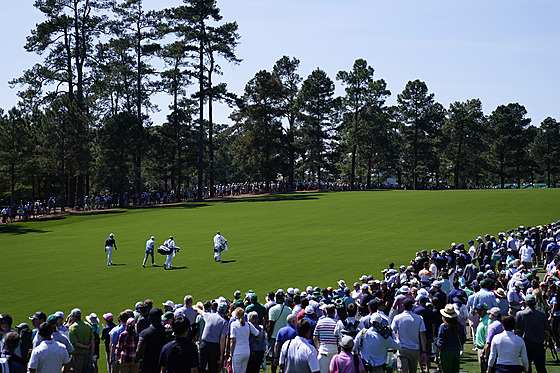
(275, 241)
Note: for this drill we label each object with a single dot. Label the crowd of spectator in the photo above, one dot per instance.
(418, 314)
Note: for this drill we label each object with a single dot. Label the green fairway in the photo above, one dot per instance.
(275, 242)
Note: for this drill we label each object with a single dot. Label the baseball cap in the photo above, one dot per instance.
(38, 315)
(253, 296)
(169, 303)
(52, 319)
(481, 306)
(108, 316)
(530, 299)
(167, 315)
(495, 311)
(59, 314)
(76, 312)
(309, 310)
(222, 307)
(364, 286)
(131, 321)
(347, 342)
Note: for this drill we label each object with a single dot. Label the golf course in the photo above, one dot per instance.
(275, 242)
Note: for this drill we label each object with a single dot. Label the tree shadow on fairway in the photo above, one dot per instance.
(275, 197)
(188, 205)
(17, 229)
(228, 261)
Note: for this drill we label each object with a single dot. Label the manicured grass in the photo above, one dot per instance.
(275, 242)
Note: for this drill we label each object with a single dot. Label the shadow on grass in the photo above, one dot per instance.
(99, 212)
(275, 197)
(17, 229)
(117, 264)
(228, 261)
(174, 268)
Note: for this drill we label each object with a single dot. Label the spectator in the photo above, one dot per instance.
(180, 355)
(506, 349)
(126, 348)
(373, 344)
(240, 331)
(257, 343)
(81, 337)
(411, 333)
(533, 327)
(50, 356)
(298, 355)
(150, 343)
(345, 361)
(450, 340)
(15, 363)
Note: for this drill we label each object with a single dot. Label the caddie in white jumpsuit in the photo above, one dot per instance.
(170, 243)
(149, 251)
(220, 244)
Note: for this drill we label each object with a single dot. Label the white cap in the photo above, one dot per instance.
(169, 304)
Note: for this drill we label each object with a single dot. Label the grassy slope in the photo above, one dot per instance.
(276, 241)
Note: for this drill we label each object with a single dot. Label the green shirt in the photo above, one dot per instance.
(481, 331)
(259, 309)
(279, 314)
(80, 332)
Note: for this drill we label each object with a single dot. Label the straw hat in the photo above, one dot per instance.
(449, 311)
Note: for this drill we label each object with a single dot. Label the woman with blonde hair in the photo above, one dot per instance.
(240, 330)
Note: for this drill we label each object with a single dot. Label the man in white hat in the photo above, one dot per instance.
(374, 343)
(149, 251)
(220, 244)
(109, 244)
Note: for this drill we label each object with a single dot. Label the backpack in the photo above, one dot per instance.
(350, 329)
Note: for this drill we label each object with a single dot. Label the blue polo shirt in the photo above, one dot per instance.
(286, 333)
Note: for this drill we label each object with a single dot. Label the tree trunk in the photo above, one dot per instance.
(210, 128)
(201, 111)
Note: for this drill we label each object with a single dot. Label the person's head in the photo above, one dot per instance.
(279, 298)
(11, 341)
(5, 322)
(38, 318)
(407, 304)
(155, 315)
(481, 309)
(188, 300)
(45, 330)
(239, 314)
(180, 326)
(351, 310)
(253, 317)
(76, 314)
(292, 319)
(530, 300)
(330, 310)
(347, 343)
(508, 323)
(130, 324)
(495, 313)
(149, 303)
(304, 302)
(303, 328)
(373, 305)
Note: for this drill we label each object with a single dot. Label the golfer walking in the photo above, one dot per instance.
(220, 244)
(149, 251)
(109, 244)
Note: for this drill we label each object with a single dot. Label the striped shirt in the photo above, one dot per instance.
(324, 330)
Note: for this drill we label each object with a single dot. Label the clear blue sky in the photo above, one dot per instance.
(500, 51)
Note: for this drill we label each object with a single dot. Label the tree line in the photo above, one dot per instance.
(83, 126)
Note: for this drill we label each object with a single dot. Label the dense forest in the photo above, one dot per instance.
(82, 125)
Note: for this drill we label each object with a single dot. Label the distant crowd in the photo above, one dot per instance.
(418, 314)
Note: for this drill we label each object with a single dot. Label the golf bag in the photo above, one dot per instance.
(164, 250)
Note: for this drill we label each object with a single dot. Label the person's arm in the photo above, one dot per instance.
(231, 347)
(316, 342)
(424, 347)
(66, 368)
(140, 350)
(222, 348)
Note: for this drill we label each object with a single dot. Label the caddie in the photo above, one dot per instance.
(220, 244)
